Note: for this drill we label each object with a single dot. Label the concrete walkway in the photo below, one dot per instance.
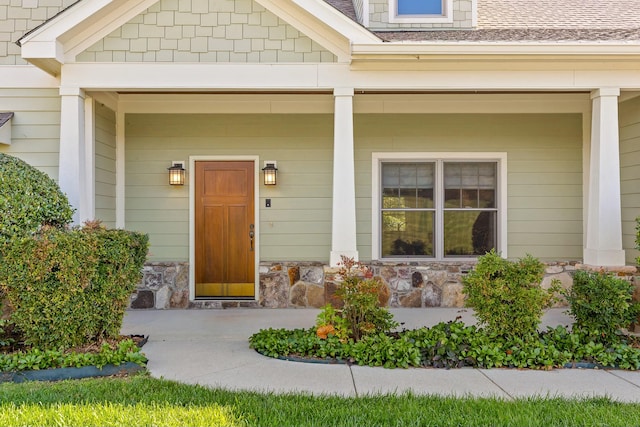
(210, 347)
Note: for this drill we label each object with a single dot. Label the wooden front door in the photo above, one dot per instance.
(224, 229)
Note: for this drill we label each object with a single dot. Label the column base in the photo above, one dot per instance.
(604, 257)
(335, 256)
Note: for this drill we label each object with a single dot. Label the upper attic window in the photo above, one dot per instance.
(420, 11)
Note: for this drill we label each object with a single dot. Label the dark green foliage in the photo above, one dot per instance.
(36, 359)
(29, 199)
(601, 304)
(70, 287)
(638, 238)
(451, 345)
(506, 296)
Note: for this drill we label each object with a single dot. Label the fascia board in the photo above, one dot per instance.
(338, 21)
(403, 50)
(327, 27)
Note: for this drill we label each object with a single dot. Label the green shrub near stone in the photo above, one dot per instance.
(601, 305)
(70, 287)
(29, 199)
(506, 295)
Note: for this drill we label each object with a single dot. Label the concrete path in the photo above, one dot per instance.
(210, 347)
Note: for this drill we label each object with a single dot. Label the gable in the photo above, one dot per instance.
(206, 31)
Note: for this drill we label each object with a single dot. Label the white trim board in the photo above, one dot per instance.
(378, 157)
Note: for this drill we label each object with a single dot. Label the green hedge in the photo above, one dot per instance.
(28, 199)
(70, 287)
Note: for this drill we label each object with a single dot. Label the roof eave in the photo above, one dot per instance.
(416, 50)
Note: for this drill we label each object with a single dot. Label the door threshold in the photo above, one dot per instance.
(225, 299)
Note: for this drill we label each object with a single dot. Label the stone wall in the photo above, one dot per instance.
(165, 285)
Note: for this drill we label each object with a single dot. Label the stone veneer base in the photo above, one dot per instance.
(165, 285)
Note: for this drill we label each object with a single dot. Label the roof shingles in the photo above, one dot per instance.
(533, 20)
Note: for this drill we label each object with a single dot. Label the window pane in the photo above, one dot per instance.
(407, 233)
(469, 233)
(470, 185)
(407, 185)
(419, 7)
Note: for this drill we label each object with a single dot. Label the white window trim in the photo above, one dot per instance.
(445, 18)
(376, 217)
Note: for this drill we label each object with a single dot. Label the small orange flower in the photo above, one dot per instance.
(323, 331)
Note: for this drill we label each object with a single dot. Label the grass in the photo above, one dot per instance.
(144, 401)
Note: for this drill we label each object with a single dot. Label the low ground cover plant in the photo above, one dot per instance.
(499, 341)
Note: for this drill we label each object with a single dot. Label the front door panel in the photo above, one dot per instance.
(224, 229)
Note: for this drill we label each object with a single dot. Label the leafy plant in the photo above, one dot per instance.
(361, 309)
(36, 359)
(29, 199)
(601, 305)
(70, 287)
(506, 295)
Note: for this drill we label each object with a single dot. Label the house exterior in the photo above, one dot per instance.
(413, 135)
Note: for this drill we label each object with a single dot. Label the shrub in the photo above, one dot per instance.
(638, 238)
(601, 304)
(506, 295)
(29, 199)
(361, 313)
(70, 287)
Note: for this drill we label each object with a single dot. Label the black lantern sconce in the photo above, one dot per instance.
(176, 173)
(270, 173)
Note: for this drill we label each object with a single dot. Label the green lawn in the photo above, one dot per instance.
(143, 401)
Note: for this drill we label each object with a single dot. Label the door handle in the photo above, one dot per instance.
(251, 234)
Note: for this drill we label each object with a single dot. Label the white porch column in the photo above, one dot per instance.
(72, 172)
(604, 216)
(343, 231)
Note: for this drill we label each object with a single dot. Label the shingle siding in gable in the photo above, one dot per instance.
(16, 20)
(206, 31)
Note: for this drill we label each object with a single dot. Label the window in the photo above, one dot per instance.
(420, 11)
(419, 7)
(438, 207)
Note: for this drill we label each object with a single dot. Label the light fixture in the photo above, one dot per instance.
(176, 173)
(270, 173)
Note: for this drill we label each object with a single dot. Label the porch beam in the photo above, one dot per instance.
(343, 229)
(604, 214)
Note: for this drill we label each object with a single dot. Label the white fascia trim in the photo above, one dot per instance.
(413, 50)
(26, 76)
(378, 157)
(79, 27)
(192, 216)
(322, 24)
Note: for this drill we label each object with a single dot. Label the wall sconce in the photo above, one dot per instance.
(270, 172)
(176, 173)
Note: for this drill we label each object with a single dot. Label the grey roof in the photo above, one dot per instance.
(344, 6)
(534, 20)
(4, 118)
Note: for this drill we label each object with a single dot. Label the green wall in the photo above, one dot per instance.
(630, 174)
(544, 174)
(35, 127)
(296, 227)
(105, 166)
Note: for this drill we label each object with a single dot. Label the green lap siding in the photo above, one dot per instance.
(630, 174)
(544, 176)
(544, 155)
(35, 127)
(296, 227)
(105, 166)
